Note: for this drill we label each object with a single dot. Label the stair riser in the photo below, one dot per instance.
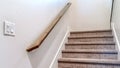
(89, 55)
(85, 65)
(90, 40)
(91, 34)
(90, 47)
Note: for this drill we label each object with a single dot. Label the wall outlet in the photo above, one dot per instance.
(9, 28)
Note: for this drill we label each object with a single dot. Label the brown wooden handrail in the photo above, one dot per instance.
(48, 29)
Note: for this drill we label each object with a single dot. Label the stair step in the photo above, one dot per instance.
(86, 37)
(90, 46)
(91, 33)
(90, 43)
(94, 31)
(87, 63)
(93, 39)
(90, 53)
(94, 61)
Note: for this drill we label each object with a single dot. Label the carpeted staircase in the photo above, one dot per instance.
(90, 49)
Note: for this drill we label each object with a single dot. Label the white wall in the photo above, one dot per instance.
(116, 20)
(44, 55)
(116, 17)
(90, 15)
(31, 18)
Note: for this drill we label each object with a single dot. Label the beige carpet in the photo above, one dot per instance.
(90, 49)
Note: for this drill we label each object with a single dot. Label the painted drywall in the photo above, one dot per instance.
(88, 15)
(116, 18)
(61, 46)
(44, 55)
(31, 18)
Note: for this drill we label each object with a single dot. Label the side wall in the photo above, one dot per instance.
(31, 18)
(44, 55)
(90, 15)
(116, 17)
(116, 22)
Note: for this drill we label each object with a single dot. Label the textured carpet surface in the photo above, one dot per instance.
(90, 49)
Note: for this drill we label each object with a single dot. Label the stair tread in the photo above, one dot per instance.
(91, 31)
(90, 46)
(89, 51)
(83, 60)
(68, 44)
(113, 43)
(75, 37)
(104, 35)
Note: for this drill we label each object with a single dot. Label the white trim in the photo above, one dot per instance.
(116, 39)
(59, 49)
(115, 36)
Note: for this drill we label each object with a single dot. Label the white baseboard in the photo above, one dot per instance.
(59, 49)
(116, 39)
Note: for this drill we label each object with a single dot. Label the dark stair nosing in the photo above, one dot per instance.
(90, 43)
(70, 44)
(91, 61)
(74, 32)
(90, 37)
(98, 51)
